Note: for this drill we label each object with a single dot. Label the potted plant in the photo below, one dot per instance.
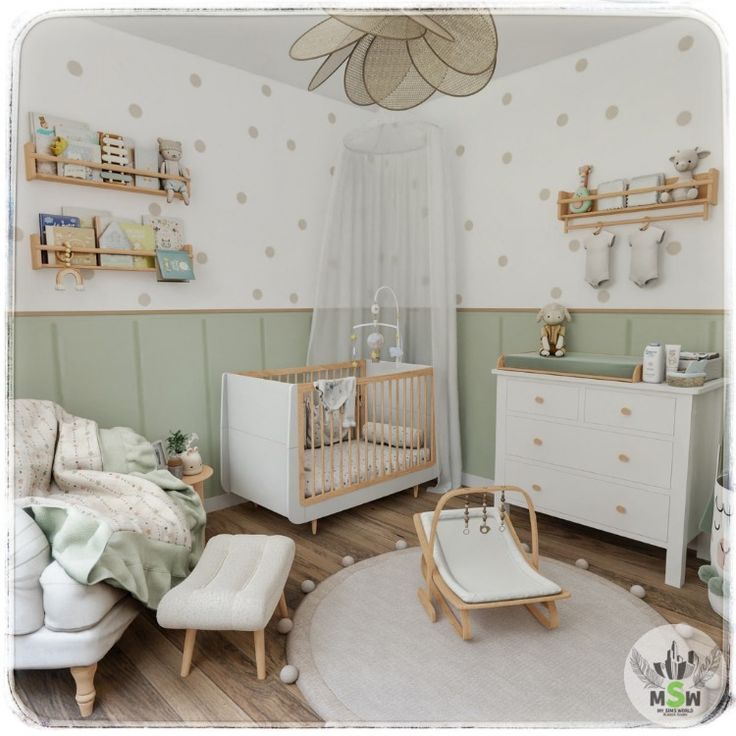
(176, 443)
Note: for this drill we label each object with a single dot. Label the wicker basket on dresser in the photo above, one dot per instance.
(634, 459)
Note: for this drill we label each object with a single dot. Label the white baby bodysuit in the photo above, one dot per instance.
(645, 255)
(597, 257)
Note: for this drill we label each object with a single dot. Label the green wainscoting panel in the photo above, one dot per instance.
(163, 371)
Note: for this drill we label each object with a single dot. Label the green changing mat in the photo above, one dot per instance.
(587, 365)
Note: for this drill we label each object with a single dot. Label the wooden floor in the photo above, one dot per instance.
(138, 681)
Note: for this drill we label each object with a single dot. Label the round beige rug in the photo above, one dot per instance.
(367, 653)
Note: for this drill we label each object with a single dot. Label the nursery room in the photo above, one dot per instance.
(339, 340)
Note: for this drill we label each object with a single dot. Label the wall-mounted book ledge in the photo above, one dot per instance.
(706, 184)
(32, 173)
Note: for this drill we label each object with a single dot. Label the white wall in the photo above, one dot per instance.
(651, 81)
(282, 186)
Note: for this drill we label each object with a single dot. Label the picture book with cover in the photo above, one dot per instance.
(174, 265)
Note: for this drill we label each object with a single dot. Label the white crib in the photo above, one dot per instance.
(267, 456)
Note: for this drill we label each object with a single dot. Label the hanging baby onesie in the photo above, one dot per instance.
(645, 255)
(598, 257)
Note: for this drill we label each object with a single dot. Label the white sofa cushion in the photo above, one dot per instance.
(72, 606)
(31, 556)
(235, 585)
(481, 568)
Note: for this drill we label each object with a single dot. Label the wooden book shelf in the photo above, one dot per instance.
(32, 173)
(706, 183)
(37, 263)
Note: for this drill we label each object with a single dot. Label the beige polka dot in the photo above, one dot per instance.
(611, 112)
(562, 119)
(332, 118)
(302, 224)
(684, 117)
(460, 150)
(685, 43)
(202, 257)
(154, 209)
(74, 68)
(200, 146)
(293, 297)
(603, 296)
(506, 99)
(195, 80)
(253, 131)
(18, 235)
(673, 247)
(332, 171)
(291, 145)
(242, 197)
(506, 158)
(458, 299)
(144, 299)
(270, 252)
(469, 225)
(544, 194)
(555, 292)
(574, 245)
(581, 65)
(503, 261)
(266, 90)
(136, 111)
(257, 294)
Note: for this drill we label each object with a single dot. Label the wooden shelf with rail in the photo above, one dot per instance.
(706, 183)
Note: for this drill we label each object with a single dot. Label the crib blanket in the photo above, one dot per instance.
(108, 514)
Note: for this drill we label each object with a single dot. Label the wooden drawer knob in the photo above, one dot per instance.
(539, 399)
(626, 411)
(536, 487)
(621, 509)
(537, 441)
(623, 458)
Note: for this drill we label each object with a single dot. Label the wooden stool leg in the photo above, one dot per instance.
(186, 660)
(314, 526)
(84, 678)
(416, 491)
(283, 608)
(467, 631)
(260, 644)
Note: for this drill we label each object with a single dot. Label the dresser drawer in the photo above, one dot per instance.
(630, 410)
(545, 399)
(637, 459)
(600, 503)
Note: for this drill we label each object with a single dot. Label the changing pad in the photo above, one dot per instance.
(588, 365)
(482, 568)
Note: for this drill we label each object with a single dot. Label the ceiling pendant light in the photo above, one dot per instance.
(398, 61)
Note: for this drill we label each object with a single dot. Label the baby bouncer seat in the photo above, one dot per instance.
(472, 558)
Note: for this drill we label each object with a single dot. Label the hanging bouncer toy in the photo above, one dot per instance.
(376, 340)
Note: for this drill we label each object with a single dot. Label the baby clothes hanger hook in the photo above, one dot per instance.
(646, 224)
(598, 229)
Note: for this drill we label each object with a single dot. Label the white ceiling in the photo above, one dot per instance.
(260, 43)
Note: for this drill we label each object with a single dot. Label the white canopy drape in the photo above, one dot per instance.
(390, 223)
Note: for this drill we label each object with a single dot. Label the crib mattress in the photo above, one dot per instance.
(383, 460)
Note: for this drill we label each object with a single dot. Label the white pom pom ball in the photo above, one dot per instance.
(284, 626)
(582, 564)
(289, 674)
(347, 561)
(638, 591)
(308, 586)
(401, 544)
(685, 631)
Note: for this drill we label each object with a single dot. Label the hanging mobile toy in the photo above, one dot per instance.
(376, 340)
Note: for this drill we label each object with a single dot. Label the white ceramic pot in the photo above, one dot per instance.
(192, 461)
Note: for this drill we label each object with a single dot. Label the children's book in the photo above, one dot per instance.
(45, 221)
(146, 158)
(86, 215)
(141, 237)
(82, 145)
(81, 237)
(110, 235)
(43, 134)
(169, 232)
(174, 265)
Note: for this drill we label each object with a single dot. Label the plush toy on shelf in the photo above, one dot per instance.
(554, 316)
(685, 162)
(171, 154)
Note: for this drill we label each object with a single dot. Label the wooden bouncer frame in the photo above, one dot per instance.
(447, 599)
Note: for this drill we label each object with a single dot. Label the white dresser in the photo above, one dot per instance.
(634, 459)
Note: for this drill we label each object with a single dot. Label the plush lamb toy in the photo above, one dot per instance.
(553, 332)
(171, 154)
(685, 162)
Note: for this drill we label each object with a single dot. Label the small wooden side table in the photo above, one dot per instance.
(197, 481)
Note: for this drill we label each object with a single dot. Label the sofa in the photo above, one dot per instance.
(58, 622)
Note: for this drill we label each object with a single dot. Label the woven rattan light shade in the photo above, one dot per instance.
(398, 61)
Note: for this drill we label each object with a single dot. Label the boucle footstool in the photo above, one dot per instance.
(236, 586)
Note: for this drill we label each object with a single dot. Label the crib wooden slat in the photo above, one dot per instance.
(322, 440)
(375, 448)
